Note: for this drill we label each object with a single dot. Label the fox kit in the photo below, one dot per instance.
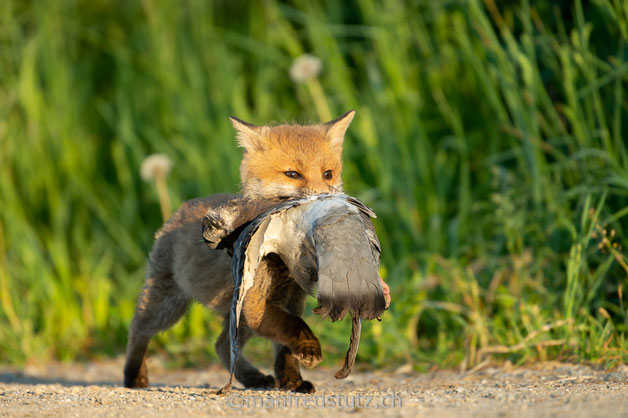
(279, 162)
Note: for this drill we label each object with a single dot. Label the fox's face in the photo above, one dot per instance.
(291, 160)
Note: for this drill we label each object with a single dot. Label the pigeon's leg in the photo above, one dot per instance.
(287, 370)
(245, 372)
(161, 304)
(265, 312)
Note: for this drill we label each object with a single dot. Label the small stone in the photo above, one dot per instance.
(614, 377)
(404, 369)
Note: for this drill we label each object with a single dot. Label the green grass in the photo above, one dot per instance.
(490, 140)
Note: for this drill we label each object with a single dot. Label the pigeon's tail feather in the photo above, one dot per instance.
(366, 302)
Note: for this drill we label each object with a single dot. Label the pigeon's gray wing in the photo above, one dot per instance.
(348, 263)
(367, 213)
(243, 262)
(361, 206)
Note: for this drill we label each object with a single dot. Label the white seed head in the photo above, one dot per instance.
(305, 67)
(154, 166)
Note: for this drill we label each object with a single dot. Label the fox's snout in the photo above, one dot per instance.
(318, 188)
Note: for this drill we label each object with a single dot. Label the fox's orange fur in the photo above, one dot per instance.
(309, 150)
(285, 161)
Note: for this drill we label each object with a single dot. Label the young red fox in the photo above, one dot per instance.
(279, 162)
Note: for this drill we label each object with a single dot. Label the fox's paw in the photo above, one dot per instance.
(260, 381)
(305, 387)
(136, 380)
(140, 382)
(308, 352)
(299, 386)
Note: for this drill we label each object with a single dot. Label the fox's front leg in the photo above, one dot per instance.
(287, 371)
(265, 313)
(273, 322)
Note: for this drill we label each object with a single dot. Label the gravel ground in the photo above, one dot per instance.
(547, 389)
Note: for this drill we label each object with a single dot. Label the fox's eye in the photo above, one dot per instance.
(293, 175)
(327, 175)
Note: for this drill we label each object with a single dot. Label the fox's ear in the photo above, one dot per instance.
(336, 128)
(248, 135)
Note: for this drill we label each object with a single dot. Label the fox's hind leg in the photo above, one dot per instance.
(160, 305)
(246, 373)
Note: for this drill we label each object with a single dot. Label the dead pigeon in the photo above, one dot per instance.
(326, 240)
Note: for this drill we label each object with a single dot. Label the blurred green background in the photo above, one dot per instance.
(491, 138)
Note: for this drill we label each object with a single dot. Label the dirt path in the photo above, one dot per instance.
(549, 389)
